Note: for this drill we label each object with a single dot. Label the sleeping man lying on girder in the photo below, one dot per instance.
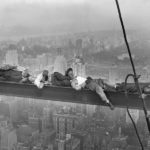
(56, 79)
(97, 85)
(68, 80)
(42, 79)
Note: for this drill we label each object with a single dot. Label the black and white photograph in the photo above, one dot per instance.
(74, 74)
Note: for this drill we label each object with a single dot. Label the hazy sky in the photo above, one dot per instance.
(74, 15)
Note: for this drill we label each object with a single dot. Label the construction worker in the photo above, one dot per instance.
(26, 77)
(42, 79)
(97, 85)
(59, 79)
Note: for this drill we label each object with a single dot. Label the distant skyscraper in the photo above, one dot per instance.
(64, 124)
(13, 108)
(148, 143)
(60, 63)
(4, 109)
(8, 139)
(34, 121)
(3, 121)
(12, 57)
(61, 145)
(46, 119)
(79, 47)
(90, 109)
(42, 61)
(70, 44)
(113, 74)
(78, 66)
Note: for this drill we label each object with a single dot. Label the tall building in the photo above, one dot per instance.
(61, 145)
(60, 63)
(22, 146)
(13, 108)
(47, 118)
(90, 109)
(50, 62)
(3, 121)
(79, 66)
(79, 140)
(34, 121)
(64, 124)
(79, 47)
(9, 107)
(42, 61)
(11, 57)
(113, 74)
(4, 108)
(8, 138)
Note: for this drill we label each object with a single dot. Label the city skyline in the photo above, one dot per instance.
(47, 125)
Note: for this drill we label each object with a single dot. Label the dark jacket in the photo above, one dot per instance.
(11, 75)
(93, 83)
(58, 79)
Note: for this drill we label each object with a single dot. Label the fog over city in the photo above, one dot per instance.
(55, 16)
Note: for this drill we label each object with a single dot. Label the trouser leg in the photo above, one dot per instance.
(103, 96)
(101, 93)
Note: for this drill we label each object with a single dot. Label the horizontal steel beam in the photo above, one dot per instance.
(64, 94)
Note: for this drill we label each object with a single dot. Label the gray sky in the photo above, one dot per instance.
(74, 15)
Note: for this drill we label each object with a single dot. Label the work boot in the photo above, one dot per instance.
(111, 106)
